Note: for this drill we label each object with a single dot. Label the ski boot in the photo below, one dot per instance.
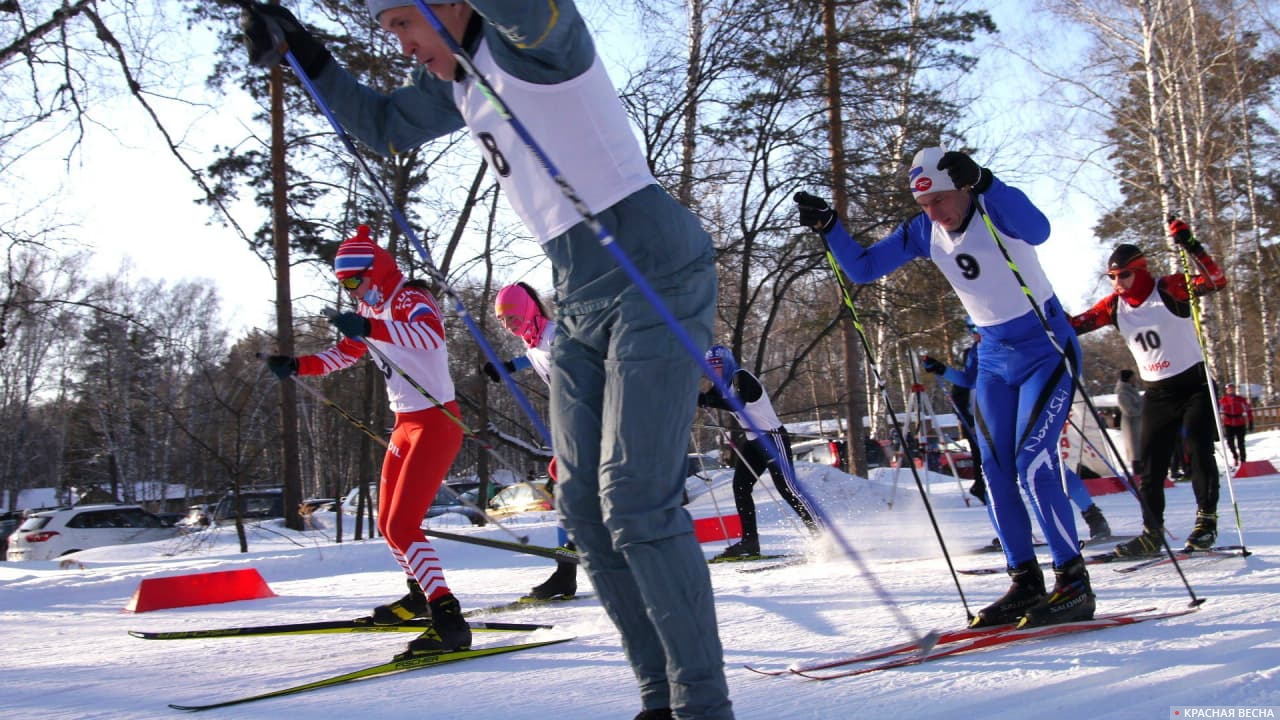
(740, 549)
(413, 605)
(1098, 527)
(658, 714)
(449, 631)
(1148, 543)
(979, 490)
(562, 585)
(1072, 598)
(1026, 591)
(1205, 532)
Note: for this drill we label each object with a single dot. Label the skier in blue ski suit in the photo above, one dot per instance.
(1023, 388)
(620, 382)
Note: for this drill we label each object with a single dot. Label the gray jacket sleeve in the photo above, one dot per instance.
(393, 122)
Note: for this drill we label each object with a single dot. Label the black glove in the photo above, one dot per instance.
(492, 372)
(814, 213)
(283, 366)
(270, 30)
(353, 325)
(933, 365)
(1182, 237)
(964, 172)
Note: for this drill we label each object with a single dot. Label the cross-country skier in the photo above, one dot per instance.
(522, 313)
(755, 456)
(1237, 419)
(1153, 316)
(401, 318)
(1024, 386)
(620, 383)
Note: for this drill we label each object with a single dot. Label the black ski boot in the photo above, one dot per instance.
(1027, 590)
(1146, 544)
(979, 490)
(1205, 533)
(1098, 527)
(562, 584)
(412, 605)
(449, 631)
(740, 549)
(1072, 598)
(658, 714)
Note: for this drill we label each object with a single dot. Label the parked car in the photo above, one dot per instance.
(315, 505)
(834, 452)
(447, 502)
(254, 505)
(197, 517)
(53, 533)
(169, 519)
(937, 459)
(521, 497)
(9, 522)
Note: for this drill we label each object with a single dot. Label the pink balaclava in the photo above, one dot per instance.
(514, 300)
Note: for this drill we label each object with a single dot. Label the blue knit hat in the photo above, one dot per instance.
(721, 358)
(377, 6)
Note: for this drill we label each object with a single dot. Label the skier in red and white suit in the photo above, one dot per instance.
(1153, 316)
(402, 320)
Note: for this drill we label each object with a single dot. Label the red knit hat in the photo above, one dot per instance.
(360, 255)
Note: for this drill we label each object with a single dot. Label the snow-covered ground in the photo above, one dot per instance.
(67, 653)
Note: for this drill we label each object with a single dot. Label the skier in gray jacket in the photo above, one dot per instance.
(620, 414)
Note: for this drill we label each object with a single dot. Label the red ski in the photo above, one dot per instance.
(1003, 638)
(947, 637)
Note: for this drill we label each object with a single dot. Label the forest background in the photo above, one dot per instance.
(1120, 111)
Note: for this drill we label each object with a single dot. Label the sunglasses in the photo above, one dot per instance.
(353, 282)
(1122, 275)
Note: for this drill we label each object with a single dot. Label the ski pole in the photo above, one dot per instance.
(894, 421)
(1076, 380)
(402, 222)
(642, 285)
(1213, 393)
(786, 477)
(711, 491)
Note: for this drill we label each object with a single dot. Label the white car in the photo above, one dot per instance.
(51, 534)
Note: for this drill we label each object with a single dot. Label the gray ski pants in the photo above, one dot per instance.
(623, 395)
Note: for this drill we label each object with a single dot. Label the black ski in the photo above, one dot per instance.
(1095, 559)
(790, 561)
(1219, 552)
(743, 558)
(556, 553)
(387, 668)
(994, 546)
(362, 625)
(524, 603)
